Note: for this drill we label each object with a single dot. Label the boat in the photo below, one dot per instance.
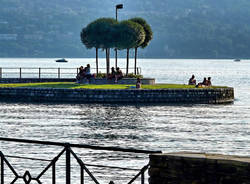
(62, 60)
(236, 60)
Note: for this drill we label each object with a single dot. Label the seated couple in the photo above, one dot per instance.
(115, 74)
(205, 83)
(84, 73)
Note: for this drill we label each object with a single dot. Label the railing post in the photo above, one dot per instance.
(20, 73)
(1, 75)
(54, 173)
(142, 177)
(82, 175)
(58, 73)
(39, 73)
(67, 149)
(2, 168)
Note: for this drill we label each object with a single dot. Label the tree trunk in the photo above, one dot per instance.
(135, 59)
(127, 62)
(115, 58)
(106, 62)
(96, 51)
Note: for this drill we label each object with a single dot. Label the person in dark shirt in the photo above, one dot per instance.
(192, 81)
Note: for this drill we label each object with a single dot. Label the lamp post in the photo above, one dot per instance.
(118, 6)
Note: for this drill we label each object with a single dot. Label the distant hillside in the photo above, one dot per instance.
(182, 28)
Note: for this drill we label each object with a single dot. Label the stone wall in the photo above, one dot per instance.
(150, 81)
(197, 95)
(198, 168)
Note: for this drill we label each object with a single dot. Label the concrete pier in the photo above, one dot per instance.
(198, 168)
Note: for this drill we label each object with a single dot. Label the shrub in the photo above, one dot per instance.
(101, 75)
(131, 75)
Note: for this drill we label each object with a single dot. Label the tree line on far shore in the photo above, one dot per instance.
(107, 33)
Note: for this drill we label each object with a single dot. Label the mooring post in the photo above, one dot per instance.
(67, 149)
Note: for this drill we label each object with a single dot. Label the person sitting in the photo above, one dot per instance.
(87, 72)
(192, 81)
(118, 74)
(112, 74)
(138, 83)
(209, 83)
(81, 74)
(203, 83)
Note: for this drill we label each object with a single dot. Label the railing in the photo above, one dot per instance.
(28, 178)
(28, 72)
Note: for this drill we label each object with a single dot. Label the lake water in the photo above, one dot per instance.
(221, 129)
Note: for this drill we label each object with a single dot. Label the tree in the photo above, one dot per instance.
(130, 35)
(85, 40)
(98, 34)
(148, 36)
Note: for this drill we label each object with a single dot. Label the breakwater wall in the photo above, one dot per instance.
(198, 168)
(191, 96)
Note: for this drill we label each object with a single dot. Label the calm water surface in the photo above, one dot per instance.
(221, 129)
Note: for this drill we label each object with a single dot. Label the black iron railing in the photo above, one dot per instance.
(69, 153)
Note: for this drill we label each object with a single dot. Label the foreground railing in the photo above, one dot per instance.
(28, 72)
(68, 152)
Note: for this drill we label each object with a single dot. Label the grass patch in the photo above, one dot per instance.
(72, 85)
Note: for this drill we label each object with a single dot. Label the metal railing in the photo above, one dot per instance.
(31, 72)
(28, 178)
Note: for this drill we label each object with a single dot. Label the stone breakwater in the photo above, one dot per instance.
(190, 96)
(198, 168)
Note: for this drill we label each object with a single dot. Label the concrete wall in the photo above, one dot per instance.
(92, 80)
(204, 95)
(198, 168)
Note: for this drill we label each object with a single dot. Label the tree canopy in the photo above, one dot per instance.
(108, 33)
(147, 29)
